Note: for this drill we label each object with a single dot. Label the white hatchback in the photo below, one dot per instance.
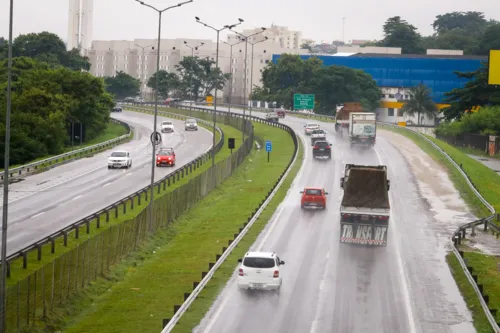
(167, 126)
(119, 159)
(309, 128)
(260, 270)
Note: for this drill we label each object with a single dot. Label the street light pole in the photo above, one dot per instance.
(231, 71)
(190, 77)
(5, 213)
(216, 88)
(153, 154)
(251, 67)
(143, 66)
(245, 102)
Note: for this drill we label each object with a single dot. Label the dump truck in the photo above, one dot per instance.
(362, 128)
(342, 116)
(365, 207)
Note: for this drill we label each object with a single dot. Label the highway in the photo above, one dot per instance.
(329, 287)
(44, 203)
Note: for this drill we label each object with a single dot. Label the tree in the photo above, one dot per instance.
(476, 92)
(420, 103)
(167, 83)
(331, 85)
(122, 85)
(399, 33)
(490, 40)
(485, 121)
(473, 23)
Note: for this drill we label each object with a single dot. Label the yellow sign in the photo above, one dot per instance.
(209, 100)
(402, 123)
(494, 67)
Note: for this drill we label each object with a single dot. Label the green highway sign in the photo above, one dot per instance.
(303, 101)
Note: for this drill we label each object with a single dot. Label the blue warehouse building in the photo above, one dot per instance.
(406, 71)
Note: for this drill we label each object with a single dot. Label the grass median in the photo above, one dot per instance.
(18, 273)
(112, 131)
(150, 288)
(487, 182)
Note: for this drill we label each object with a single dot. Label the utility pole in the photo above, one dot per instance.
(231, 71)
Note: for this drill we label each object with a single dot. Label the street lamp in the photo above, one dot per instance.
(191, 76)
(251, 66)
(193, 47)
(245, 82)
(153, 154)
(3, 284)
(231, 71)
(143, 65)
(216, 66)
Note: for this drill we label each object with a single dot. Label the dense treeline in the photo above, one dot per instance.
(486, 121)
(331, 85)
(49, 91)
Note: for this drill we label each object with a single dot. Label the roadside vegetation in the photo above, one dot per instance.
(152, 281)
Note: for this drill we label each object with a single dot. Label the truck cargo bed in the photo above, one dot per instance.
(367, 188)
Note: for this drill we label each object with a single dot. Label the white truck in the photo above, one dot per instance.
(362, 128)
(365, 206)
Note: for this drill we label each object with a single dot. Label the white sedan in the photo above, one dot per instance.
(167, 126)
(310, 127)
(119, 159)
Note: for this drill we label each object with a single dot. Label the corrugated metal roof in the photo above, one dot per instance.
(343, 54)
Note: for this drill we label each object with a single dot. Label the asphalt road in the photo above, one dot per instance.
(44, 203)
(333, 287)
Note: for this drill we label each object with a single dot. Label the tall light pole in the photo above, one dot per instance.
(153, 150)
(231, 71)
(243, 37)
(143, 66)
(3, 284)
(251, 66)
(191, 77)
(217, 67)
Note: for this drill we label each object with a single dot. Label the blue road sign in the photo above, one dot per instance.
(269, 146)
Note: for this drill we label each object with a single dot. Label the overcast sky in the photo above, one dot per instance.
(317, 19)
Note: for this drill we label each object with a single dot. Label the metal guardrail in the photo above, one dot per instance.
(460, 233)
(69, 156)
(185, 169)
(178, 312)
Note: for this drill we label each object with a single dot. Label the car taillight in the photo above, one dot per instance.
(276, 274)
(383, 218)
(241, 272)
(327, 147)
(345, 215)
(315, 147)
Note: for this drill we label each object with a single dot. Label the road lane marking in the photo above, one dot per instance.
(37, 215)
(106, 184)
(77, 197)
(401, 270)
(321, 301)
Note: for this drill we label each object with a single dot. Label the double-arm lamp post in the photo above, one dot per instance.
(245, 102)
(231, 71)
(251, 66)
(153, 150)
(143, 65)
(216, 66)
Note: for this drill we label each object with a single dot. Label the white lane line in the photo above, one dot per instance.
(401, 270)
(274, 222)
(77, 197)
(106, 184)
(321, 303)
(37, 215)
(128, 174)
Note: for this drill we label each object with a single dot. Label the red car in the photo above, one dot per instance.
(166, 156)
(313, 197)
(281, 114)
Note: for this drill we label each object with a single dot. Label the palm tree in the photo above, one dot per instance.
(420, 103)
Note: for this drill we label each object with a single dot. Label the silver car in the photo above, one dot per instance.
(190, 125)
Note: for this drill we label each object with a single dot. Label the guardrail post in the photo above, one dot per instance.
(77, 232)
(139, 198)
(52, 245)
(39, 252)
(146, 193)
(98, 221)
(168, 181)
(25, 259)
(132, 202)
(178, 175)
(125, 207)
(464, 232)
(182, 172)
(8, 275)
(485, 225)
(65, 238)
(116, 212)
(87, 227)
(473, 232)
(164, 185)
(165, 322)
(107, 216)
(459, 238)
(159, 188)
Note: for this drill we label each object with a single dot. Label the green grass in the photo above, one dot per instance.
(149, 288)
(485, 267)
(113, 130)
(487, 183)
(18, 273)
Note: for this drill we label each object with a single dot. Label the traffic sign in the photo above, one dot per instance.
(269, 146)
(303, 101)
(155, 138)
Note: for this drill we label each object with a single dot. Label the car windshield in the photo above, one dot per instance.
(321, 144)
(119, 154)
(312, 125)
(313, 192)
(318, 131)
(255, 262)
(166, 153)
(166, 123)
(191, 121)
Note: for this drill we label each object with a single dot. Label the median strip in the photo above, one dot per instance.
(57, 270)
(153, 286)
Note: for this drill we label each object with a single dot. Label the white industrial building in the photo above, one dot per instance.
(80, 25)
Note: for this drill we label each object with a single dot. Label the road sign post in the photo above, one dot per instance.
(269, 148)
(303, 101)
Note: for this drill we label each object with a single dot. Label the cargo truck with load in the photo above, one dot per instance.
(362, 128)
(342, 116)
(365, 207)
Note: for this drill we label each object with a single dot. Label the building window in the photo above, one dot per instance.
(382, 96)
(400, 113)
(391, 95)
(390, 112)
(407, 97)
(267, 61)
